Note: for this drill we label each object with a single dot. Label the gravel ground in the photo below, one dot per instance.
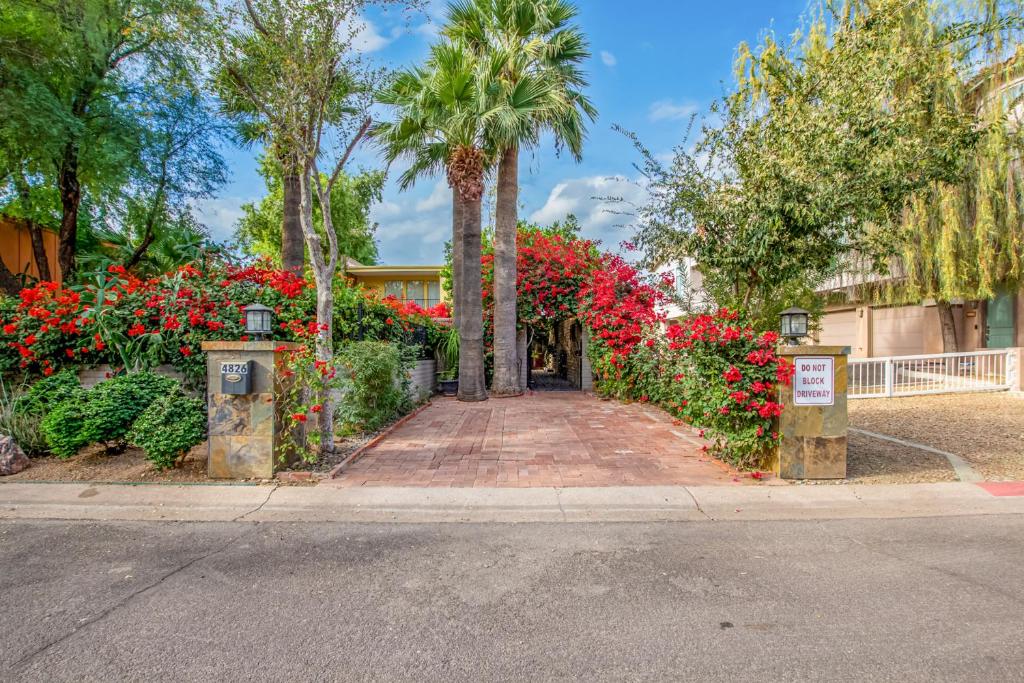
(986, 430)
(93, 464)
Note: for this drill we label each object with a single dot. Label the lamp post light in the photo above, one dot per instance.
(794, 325)
(258, 321)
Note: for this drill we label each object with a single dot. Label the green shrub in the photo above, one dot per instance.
(103, 414)
(45, 393)
(171, 425)
(63, 428)
(21, 425)
(375, 392)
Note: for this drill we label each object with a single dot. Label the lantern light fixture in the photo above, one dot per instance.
(258, 320)
(794, 324)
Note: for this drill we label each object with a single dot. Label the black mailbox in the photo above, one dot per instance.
(236, 377)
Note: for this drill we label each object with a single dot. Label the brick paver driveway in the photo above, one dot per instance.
(542, 439)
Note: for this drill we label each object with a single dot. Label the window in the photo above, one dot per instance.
(395, 288)
(433, 293)
(414, 291)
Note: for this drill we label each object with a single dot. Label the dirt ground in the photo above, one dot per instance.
(986, 430)
(93, 464)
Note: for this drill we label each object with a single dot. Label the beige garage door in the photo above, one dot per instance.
(839, 328)
(898, 331)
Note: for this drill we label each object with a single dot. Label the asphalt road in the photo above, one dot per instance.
(922, 599)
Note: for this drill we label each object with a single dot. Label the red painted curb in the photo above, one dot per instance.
(357, 453)
(1003, 488)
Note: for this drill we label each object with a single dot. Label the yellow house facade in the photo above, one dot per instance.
(421, 284)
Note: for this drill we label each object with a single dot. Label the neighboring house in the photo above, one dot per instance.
(421, 284)
(688, 283)
(879, 330)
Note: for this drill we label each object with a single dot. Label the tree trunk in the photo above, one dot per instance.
(9, 282)
(70, 200)
(948, 324)
(325, 352)
(456, 260)
(293, 245)
(506, 361)
(35, 230)
(39, 250)
(323, 277)
(472, 385)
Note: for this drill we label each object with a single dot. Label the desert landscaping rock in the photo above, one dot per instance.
(12, 458)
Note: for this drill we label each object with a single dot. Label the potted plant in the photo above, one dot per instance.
(448, 359)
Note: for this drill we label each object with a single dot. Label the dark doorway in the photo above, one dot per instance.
(554, 357)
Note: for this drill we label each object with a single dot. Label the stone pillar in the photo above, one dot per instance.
(587, 371)
(814, 417)
(521, 352)
(1015, 369)
(246, 430)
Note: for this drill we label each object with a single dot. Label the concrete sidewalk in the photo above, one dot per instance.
(607, 504)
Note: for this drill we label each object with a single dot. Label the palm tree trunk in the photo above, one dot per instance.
(293, 245)
(506, 359)
(456, 259)
(472, 385)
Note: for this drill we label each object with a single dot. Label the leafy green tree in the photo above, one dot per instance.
(815, 156)
(534, 54)
(71, 75)
(259, 229)
(965, 239)
(296, 63)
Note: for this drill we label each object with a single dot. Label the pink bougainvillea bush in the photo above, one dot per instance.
(712, 371)
(118, 318)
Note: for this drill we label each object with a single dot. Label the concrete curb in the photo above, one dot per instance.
(358, 453)
(79, 501)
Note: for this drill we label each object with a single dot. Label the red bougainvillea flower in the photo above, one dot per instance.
(299, 417)
(185, 351)
(136, 330)
(317, 408)
(732, 375)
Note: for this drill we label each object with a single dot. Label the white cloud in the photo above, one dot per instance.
(367, 38)
(220, 215)
(608, 58)
(667, 110)
(412, 228)
(439, 196)
(590, 199)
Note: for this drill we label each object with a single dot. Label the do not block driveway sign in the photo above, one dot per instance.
(814, 381)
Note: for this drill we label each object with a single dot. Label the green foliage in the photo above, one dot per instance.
(91, 132)
(258, 232)
(23, 409)
(448, 353)
(815, 156)
(47, 392)
(103, 414)
(63, 428)
(169, 427)
(21, 425)
(375, 390)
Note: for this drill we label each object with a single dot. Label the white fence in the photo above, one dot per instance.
(939, 373)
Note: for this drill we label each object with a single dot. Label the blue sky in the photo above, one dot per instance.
(654, 63)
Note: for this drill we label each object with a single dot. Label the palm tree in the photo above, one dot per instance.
(441, 108)
(525, 41)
